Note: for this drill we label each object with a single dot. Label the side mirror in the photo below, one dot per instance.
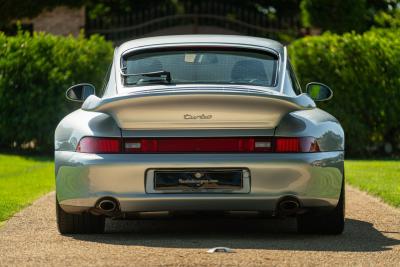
(319, 91)
(80, 92)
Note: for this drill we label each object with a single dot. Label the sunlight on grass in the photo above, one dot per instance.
(379, 178)
(22, 180)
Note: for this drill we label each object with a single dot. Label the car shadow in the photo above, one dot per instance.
(271, 234)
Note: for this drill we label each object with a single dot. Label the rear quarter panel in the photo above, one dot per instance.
(315, 123)
(82, 123)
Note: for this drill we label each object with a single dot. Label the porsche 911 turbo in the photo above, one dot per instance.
(199, 123)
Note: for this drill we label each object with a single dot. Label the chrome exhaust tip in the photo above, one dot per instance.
(107, 205)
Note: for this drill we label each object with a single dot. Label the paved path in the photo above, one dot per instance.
(371, 238)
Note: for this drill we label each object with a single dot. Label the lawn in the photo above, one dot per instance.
(380, 178)
(22, 180)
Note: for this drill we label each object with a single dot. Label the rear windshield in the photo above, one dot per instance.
(201, 66)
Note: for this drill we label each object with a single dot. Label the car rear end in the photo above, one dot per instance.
(226, 159)
(220, 145)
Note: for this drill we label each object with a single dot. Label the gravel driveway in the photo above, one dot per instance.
(372, 237)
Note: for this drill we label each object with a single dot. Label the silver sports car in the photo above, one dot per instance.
(197, 124)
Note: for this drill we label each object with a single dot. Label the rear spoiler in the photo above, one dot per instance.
(198, 109)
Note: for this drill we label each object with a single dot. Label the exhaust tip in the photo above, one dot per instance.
(288, 206)
(107, 205)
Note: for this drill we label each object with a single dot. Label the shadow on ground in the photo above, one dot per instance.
(271, 234)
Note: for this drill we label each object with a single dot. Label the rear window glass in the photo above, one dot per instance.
(202, 66)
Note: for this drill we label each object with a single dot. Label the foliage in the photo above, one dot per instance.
(271, 8)
(388, 19)
(363, 71)
(104, 8)
(334, 15)
(341, 16)
(22, 180)
(35, 71)
(379, 178)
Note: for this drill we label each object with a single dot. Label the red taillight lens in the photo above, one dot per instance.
(198, 145)
(287, 144)
(195, 145)
(99, 145)
(296, 144)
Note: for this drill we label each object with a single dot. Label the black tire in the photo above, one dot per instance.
(85, 223)
(331, 223)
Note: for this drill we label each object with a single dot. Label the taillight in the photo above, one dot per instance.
(296, 144)
(105, 145)
(196, 145)
(99, 145)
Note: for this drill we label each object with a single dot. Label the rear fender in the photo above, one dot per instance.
(315, 123)
(82, 123)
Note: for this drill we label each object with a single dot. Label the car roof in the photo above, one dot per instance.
(198, 39)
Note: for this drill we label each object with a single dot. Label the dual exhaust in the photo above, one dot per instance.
(287, 206)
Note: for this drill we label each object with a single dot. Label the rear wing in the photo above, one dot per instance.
(194, 109)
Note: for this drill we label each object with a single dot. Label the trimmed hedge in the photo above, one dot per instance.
(363, 70)
(364, 73)
(35, 71)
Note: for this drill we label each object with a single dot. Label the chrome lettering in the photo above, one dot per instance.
(197, 117)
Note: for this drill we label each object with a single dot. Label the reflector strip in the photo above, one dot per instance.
(193, 145)
(198, 145)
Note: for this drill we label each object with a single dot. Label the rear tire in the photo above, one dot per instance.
(85, 223)
(331, 223)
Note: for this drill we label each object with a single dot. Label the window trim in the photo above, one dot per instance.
(222, 47)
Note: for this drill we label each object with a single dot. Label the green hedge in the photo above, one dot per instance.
(364, 73)
(337, 16)
(35, 71)
(363, 70)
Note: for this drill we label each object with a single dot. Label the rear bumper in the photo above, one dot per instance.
(315, 179)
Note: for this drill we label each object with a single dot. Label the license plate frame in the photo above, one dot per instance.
(227, 180)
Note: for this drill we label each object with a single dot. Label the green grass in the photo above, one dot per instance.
(22, 180)
(379, 178)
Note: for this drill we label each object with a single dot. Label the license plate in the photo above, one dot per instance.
(232, 180)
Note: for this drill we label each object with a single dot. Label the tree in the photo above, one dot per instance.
(337, 16)
(341, 16)
(388, 19)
